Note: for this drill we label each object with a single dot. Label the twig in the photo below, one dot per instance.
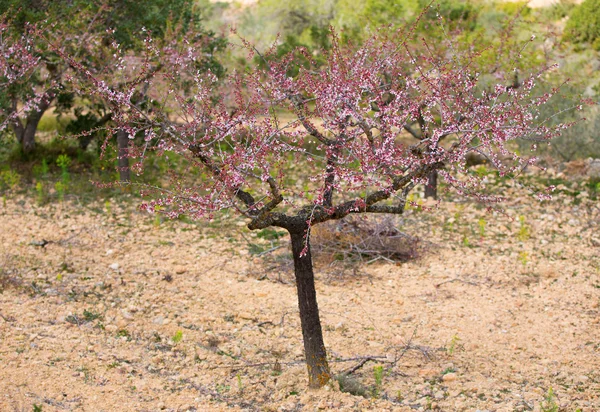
(360, 364)
(457, 280)
(269, 251)
(9, 319)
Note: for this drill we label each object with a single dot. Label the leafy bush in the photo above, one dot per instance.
(584, 24)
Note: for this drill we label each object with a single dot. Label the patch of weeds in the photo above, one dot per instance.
(549, 403)
(177, 337)
(229, 318)
(9, 179)
(523, 258)
(61, 189)
(113, 365)
(40, 193)
(86, 373)
(239, 383)
(351, 385)
(448, 370)
(481, 223)
(124, 333)
(465, 241)
(37, 408)
(222, 388)
(89, 316)
(453, 345)
(378, 375)
(523, 234)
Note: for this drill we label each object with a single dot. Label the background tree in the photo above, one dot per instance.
(17, 63)
(83, 29)
(583, 25)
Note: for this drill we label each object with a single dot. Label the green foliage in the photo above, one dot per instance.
(378, 375)
(481, 223)
(177, 337)
(9, 179)
(61, 189)
(453, 345)
(523, 234)
(583, 25)
(40, 193)
(523, 258)
(549, 404)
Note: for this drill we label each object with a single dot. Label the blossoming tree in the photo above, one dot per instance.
(17, 63)
(293, 152)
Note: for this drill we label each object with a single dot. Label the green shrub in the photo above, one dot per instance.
(583, 25)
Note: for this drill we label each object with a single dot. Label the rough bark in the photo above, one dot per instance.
(123, 156)
(431, 186)
(314, 348)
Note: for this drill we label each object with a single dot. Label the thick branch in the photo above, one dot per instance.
(245, 197)
(312, 130)
(415, 133)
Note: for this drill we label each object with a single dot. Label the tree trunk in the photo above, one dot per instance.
(123, 155)
(26, 134)
(431, 186)
(314, 348)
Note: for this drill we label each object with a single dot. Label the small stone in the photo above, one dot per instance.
(111, 328)
(159, 320)
(438, 395)
(180, 269)
(114, 266)
(126, 315)
(595, 242)
(449, 377)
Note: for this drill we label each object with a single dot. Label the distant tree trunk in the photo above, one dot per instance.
(123, 155)
(314, 348)
(431, 186)
(26, 134)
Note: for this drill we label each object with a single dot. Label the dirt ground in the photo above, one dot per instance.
(122, 312)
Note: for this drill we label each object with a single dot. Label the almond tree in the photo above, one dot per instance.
(293, 152)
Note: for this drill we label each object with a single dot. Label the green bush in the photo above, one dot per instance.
(583, 25)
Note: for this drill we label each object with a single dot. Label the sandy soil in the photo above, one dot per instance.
(120, 313)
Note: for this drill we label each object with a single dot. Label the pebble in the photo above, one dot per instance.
(114, 266)
(449, 377)
(126, 315)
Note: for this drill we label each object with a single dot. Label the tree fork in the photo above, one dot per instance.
(312, 333)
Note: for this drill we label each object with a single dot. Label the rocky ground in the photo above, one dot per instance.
(104, 308)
